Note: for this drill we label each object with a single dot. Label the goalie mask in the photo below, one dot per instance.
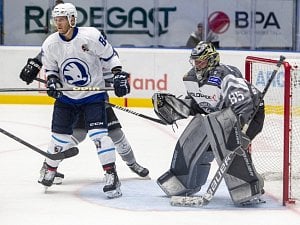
(204, 58)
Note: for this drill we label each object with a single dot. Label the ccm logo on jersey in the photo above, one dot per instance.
(96, 124)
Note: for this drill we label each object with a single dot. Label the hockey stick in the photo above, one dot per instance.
(121, 108)
(136, 113)
(58, 89)
(57, 156)
(199, 201)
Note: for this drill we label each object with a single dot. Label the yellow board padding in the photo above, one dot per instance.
(46, 100)
(275, 109)
(26, 99)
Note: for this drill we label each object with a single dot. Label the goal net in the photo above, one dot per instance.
(276, 150)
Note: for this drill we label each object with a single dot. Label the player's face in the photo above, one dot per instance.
(200, 64)
(62, 24)
(200, 29)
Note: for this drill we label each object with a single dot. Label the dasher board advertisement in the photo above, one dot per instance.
(163, 23)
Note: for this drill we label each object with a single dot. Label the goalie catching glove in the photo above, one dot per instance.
(169, 108)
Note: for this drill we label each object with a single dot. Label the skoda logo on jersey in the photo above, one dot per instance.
(76, 72)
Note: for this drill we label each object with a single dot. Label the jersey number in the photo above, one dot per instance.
(235, 97)
(102, 40)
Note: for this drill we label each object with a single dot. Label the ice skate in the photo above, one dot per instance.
(112, 186)
(47, 175)
(138, 169)
(58, 176)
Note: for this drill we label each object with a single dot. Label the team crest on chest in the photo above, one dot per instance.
(76, 72)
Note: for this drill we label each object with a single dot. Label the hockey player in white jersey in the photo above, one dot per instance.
(222, 102)
(71, 58)
(30, 72)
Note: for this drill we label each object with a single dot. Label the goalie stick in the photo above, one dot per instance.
(121, 108)
(199, 201)
(57, 156)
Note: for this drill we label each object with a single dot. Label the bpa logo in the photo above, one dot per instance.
(218, 22)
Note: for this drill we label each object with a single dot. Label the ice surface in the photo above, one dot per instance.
(79, 200)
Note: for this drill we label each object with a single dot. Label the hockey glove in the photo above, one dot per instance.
(53, 83)
(31, 70)
(169, 108)
(121, 84)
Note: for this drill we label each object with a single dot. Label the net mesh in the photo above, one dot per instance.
(268, 147)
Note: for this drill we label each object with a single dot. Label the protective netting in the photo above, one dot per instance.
(268, 147)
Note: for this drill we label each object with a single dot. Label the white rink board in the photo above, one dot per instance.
(151, 70)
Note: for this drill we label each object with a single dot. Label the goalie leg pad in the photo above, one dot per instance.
(170, 184)
(225, 136)
(190, 163)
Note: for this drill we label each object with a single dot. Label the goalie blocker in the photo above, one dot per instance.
(206, 138)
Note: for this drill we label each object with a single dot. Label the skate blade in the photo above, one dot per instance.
(114, 193)
(253, 202)
(145, 177)
(57, 180)
(45, 189)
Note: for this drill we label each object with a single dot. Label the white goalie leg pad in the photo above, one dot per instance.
(59, 143)
(224, 133)
(104, 144)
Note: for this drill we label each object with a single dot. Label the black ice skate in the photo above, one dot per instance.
(138, 169)
(47, 175)
(112, 186)
(58, 178)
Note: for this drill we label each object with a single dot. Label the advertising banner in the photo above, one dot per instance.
(163, 23)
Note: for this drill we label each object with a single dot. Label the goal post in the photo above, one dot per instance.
(276, 150)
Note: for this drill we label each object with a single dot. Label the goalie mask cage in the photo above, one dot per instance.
(276, 150)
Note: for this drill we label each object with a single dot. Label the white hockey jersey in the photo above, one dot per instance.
(77, 62)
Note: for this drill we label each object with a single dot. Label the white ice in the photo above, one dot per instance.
(79, 200)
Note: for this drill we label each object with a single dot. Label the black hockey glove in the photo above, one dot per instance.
(31, 70)
(121, 84)
(53, 83)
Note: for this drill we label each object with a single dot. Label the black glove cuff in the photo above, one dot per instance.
(37, 63)
(116, 69)
(122, 73)
(52, 79)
